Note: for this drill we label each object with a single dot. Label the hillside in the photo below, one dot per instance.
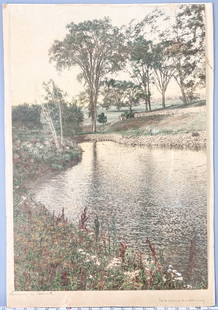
(169, 121)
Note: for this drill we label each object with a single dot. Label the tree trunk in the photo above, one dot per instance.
(184, 98)
(49, 121)
(94, 114)
(146, 105)
(179, 81)
(93, 104)
(163, 100)
(146, 96)
(130, 109)
(149, 96)
(94, 121)
(61, 125)
(149, 104)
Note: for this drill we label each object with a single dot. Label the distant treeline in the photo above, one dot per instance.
(30, 116)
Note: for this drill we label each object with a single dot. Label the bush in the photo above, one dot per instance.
(127, 115)
(27, 116)
(102, 118)
(72, 119)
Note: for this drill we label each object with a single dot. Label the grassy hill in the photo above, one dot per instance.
(169, 121)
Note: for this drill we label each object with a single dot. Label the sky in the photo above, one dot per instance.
(31, 31)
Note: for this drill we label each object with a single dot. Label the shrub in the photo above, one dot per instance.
(26, 115)
(127, 115)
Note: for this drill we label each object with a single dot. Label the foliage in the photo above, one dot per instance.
(141, 61)
(102, 118)
(72, 119)
(100, 49)
(188, 50)
(67, 117)
(127, 115)
(163, 68)
(52, 254)
(177, 51)
(54, 99)
(143, 55)
(53, 94)
(96, 47)
(35, 153)
(26, 116)
(112, 94)
(121, 94)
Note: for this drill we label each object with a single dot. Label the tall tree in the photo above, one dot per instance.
(163, 68)
(97, 48)
(141, 61)
(141, 50)
(188, 49)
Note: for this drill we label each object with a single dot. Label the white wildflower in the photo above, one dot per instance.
(147, 270)
(95, 260)
(97, 263)
(131, 275)
(164, 278)
(178, 274)
(81, 251)
(116, 262)
(170, 269)
(146, 260)
(188, 286)
(179, 278)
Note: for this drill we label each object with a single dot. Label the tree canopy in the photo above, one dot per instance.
(152, 56)
(97, 48)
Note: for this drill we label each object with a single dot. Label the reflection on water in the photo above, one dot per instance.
(156, 193)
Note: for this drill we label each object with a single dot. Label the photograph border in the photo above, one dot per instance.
(113, 298)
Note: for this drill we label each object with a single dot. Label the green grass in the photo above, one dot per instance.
(160, 124)
(113, 114)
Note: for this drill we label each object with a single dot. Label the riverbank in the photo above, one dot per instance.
(53, 254)
(181, 127)
(35, 155)
(193, 141)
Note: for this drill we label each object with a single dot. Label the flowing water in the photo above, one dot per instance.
(158, 194)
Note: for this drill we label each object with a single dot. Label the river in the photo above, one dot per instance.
(159, 194)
